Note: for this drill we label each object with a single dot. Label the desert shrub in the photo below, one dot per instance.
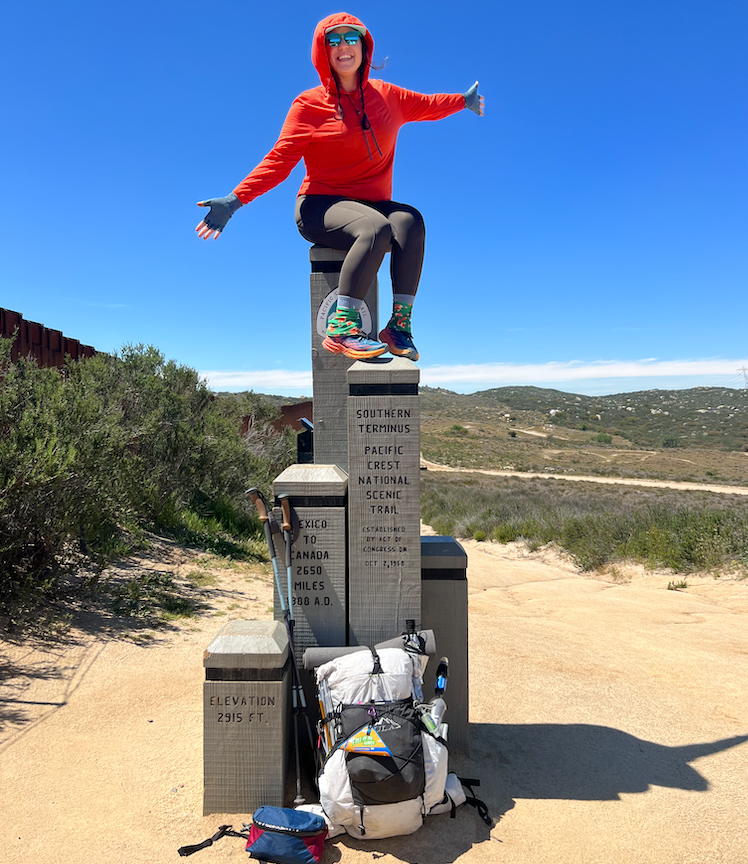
(456, 429)
(597, 525)
(602, 438)
(671, 441)
(111, 446)
(480, 536)
(505, 533)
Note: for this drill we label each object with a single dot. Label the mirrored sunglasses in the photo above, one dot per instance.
(351, 38)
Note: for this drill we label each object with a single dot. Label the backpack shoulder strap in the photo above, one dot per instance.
(471, 799)
(377, 670)
(223, 831)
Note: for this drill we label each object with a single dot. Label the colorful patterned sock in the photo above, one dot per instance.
(400, 319)
(344, 323)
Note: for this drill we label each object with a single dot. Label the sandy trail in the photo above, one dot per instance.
(611, 481)
(609, 723)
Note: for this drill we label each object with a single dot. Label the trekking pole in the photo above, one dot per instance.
(287, 537)
(258, 499)
(299, 700)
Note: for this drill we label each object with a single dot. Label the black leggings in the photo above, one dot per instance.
(364, 229)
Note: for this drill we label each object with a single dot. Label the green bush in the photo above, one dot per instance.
(480, 536)
(114, 444)
(596, 525)
(456, 429)
(602, 438)
(505, 533)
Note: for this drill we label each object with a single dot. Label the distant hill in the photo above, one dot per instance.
(268, 397)
(711, 417)
(698, 435)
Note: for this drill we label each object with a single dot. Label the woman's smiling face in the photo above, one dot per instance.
(345, 59)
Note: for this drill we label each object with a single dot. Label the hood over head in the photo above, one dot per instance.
(319, 48)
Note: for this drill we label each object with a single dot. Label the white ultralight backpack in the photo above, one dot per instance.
(383, 771)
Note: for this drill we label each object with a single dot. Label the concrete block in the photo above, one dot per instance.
(245, 717)
(444, 609)
(319, 565)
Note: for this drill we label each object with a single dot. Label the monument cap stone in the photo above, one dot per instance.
(248, 645)
(319, 480)
(384, 370)
(442, 553)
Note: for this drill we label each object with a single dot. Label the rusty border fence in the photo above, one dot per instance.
(48, 347)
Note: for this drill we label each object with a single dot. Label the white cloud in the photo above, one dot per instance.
(486, 375)
(267, 381)
(534, 373)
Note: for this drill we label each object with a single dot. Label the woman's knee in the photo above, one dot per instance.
(408, 225)
(377, 233)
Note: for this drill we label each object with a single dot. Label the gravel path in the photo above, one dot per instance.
(609, 723)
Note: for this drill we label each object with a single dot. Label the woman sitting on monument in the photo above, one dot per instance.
(346, 130)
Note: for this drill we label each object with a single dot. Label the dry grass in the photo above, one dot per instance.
(599, 526)
(557, 450)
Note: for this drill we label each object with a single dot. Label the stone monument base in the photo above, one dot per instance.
(245, 717)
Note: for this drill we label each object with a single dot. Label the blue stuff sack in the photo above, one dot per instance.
(286, 836)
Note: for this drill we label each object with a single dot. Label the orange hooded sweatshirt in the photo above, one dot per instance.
(339, 156)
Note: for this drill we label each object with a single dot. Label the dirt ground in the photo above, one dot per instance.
(609, 723)
(584, 478)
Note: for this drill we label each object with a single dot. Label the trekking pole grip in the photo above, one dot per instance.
(286, 510)
(259, 503)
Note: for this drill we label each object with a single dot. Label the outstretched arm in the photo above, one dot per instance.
(275, 167)
(436, 106)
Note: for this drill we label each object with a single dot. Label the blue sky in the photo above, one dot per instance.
(589, 233)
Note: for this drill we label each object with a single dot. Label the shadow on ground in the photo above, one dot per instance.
(143, 602)
(581, 762)
(545, 760)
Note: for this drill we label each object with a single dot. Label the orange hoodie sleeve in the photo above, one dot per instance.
(288, 150)
(415, 107)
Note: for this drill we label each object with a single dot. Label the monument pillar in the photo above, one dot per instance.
(329, 370)
(444, 607)
(384, 549)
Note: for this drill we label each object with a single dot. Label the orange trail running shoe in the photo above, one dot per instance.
(345, 336)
